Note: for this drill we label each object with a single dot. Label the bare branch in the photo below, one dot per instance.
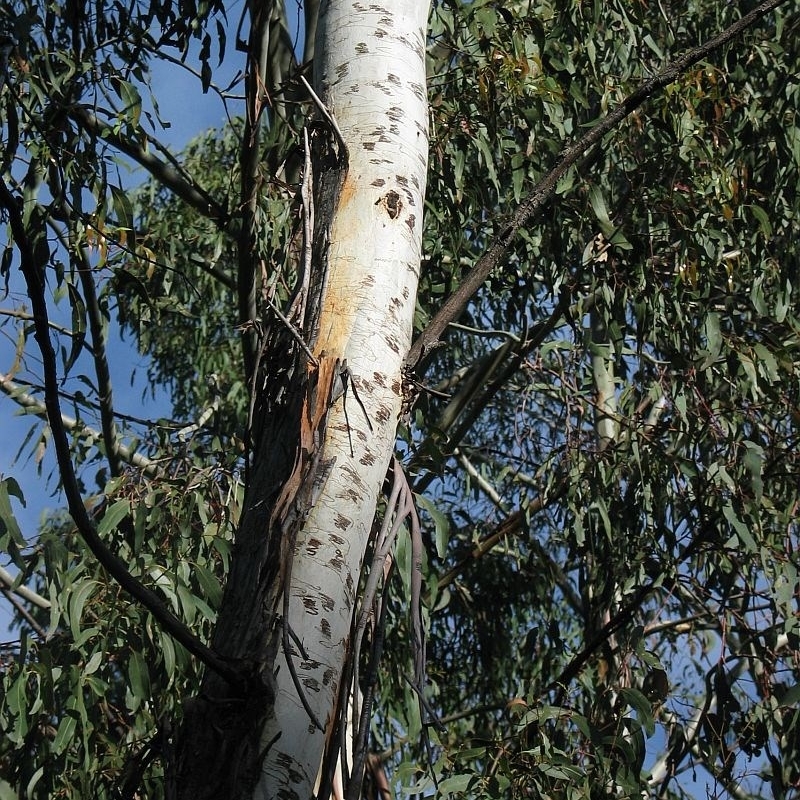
(165, 173)
(17, 314)
(250, 164)
(23, 612)
(481, 482)
(80, 264)
(8, 580)
(36, 407)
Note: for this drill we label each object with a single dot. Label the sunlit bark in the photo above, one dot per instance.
(325, 416)
(370, 76)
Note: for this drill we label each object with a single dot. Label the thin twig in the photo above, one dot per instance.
(33, 406)
(297, 309)
(165, 173)
(23, 315)
(296, 335)
(23, 612)
(324, 111)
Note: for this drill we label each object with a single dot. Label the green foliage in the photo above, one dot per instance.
(88, 709)
(678, 239)
(603, 610)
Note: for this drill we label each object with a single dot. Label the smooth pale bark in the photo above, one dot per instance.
(320, 453)
(370, 75)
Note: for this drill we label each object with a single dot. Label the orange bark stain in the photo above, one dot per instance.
(339, 304)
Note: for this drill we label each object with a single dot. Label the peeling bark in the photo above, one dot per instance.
(324, 420)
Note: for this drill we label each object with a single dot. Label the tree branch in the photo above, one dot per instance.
(105, 395)
(544, 190)
(8, 580)
(249, 164)
(34, 255)
(22, 611)
(165, 173)
(17, 314)
(34, 406)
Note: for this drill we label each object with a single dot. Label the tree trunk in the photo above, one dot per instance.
(325, 418)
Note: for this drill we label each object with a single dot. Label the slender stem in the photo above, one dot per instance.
(165, 173)
(16, 393)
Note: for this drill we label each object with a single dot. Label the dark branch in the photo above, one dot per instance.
(249, 163)
(163, 172)
(34, 255)
(105, 395)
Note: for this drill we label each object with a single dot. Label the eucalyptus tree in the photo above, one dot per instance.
(596, 411)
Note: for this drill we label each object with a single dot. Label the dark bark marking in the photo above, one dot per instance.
(312, 546)
(312, 684)
(392, 344)
(351, 495)
(378, 182)
(395, 114)
(353, 476)
(327, 602)
(367, 459)
(418, 90)
(337, 562)
(392, 203)
(392, 78)
(368, 145)
(342, 522)
(325, 628)
(310, 605)
(362, 49)
(287, 763)
(410, 220)
(383, 413)
(336, 539)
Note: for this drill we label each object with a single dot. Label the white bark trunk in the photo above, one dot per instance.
(370, 74)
